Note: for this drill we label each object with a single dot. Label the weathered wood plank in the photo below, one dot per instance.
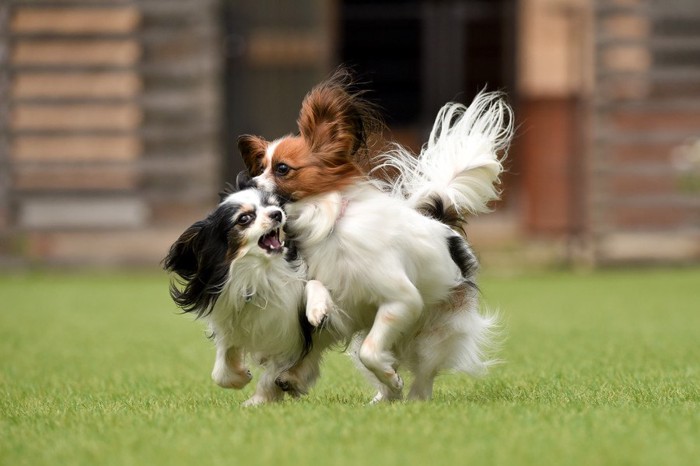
(626, 185)
(268, 48)
(676, 246)
(116, 20)
(103, 247)
(116, 52)
(655, 121)
(75, 148)
(76, 178)
(76, 85)
(660, 215)
(76, 117)
(65, 212)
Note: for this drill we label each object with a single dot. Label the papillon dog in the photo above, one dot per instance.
(236, 272)
(393, 254)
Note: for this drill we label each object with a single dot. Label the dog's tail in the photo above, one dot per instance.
(457, 172)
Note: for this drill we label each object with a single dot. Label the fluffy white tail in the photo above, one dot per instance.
(460, 165)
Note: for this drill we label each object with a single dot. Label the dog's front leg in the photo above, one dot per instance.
(318, 302)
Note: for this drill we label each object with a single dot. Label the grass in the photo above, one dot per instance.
(601, 369)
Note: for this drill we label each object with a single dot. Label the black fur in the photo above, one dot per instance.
(244, 181)
(306, 331)
(201, 257)
(434, 207)
(463, 256)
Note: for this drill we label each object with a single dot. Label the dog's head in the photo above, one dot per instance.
(334, 127)
(246, 223)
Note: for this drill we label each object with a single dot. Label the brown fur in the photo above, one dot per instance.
(335, 125)
(253, 149)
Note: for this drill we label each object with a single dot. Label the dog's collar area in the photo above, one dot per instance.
(343, 207)
(341, 213)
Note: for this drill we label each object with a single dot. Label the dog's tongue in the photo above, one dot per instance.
(271, 241)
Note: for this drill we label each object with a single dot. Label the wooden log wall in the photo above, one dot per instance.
(645, 190)
(110, 126)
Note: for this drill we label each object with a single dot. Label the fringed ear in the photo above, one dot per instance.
(252, 150)
(228, 190)
(182, 257)
(335, 122)
(244, 181)
(199, 258)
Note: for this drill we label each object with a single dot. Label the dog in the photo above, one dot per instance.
(236, 271)
(393, 254)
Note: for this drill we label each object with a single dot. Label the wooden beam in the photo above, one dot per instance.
(75, 148)
(118, 52)
(75, 20)
(76, 117)
(76, 85)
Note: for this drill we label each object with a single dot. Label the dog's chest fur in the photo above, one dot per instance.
(261, 305)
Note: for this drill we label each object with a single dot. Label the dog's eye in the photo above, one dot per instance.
(245, 219)
(281, 169)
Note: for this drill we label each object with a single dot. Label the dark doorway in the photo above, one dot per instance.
(419, 54)
(412, 55)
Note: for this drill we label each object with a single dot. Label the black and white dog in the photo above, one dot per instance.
(237, 273)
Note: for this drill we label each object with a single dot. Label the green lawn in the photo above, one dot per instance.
(600, 369)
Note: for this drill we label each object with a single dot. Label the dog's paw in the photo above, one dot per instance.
(397, 383)
(393, 391)
(255, 400)
(318, 303)
(386, 398)
(227, 378)
(317, 314)
(283, 384)
(289, 385)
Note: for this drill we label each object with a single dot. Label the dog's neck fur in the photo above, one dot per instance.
(260, 303)
(313, 219)
(255, 280)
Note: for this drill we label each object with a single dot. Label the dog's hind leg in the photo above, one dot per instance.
(422, 386)
(393, 319)
(384, 393)
(298, 379)
(266, 391)
(229, 368)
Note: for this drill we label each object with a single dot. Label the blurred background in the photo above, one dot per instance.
(118, 119)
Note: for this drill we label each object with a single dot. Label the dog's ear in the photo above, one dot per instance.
(228, 190)
(200, 261)
(183, 255)
(244, 181)
(334, 121)
(252, 149)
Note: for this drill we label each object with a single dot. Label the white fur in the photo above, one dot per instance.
(266, 182)
(257, 312)
(461, 160)
(318, 302)
(389, 269)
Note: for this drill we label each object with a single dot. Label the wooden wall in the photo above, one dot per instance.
(610, 124)
(110, 126)
(554, 77)
(645, 196)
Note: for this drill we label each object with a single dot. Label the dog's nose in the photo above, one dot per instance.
(276, 215)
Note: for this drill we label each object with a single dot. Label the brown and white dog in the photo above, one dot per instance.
(392, 254)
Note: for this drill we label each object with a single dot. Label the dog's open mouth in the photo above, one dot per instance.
(270, 242)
